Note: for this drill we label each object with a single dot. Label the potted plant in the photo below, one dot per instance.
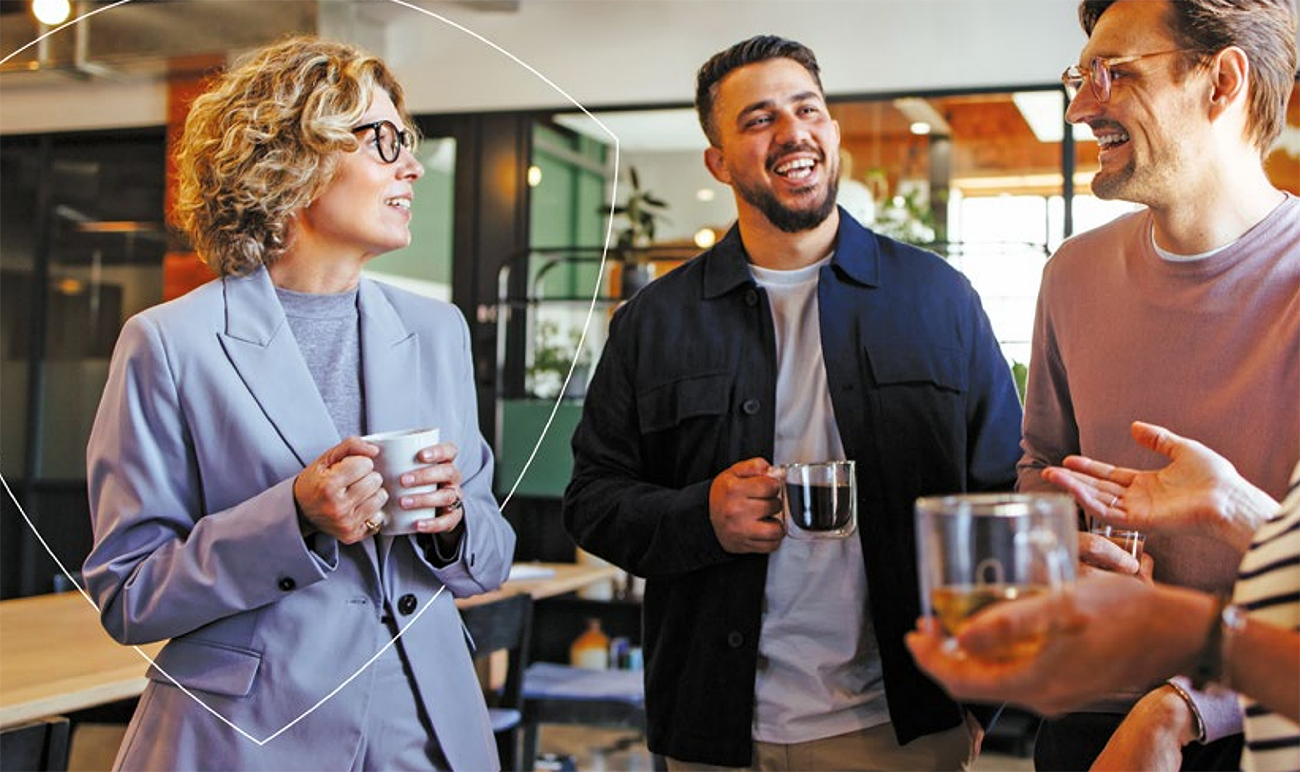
(907, 217)
(642, 211)
(554, 350)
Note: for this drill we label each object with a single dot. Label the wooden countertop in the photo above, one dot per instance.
(56, 658)
(551, 579)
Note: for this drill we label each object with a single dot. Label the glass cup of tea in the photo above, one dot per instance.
(974, 550)
(819, 500)
(1128, 540)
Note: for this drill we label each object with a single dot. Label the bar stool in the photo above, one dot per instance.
(40, 745)
(504, 625)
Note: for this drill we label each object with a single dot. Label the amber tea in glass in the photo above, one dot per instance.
(976, 550)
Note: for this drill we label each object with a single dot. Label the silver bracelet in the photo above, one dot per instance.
(1199, 724)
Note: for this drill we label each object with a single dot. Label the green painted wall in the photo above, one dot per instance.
(553, 464)
(428, 258)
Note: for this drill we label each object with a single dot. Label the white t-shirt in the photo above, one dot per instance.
(819, 672)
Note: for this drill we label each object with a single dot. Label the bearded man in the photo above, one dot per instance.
(800, 336)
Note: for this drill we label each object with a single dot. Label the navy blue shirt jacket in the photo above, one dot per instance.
(686, 387)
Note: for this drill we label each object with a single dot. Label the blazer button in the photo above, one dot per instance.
(749, 406)
(287, 583)
(406, 604)
(735, 639)
(751, 297)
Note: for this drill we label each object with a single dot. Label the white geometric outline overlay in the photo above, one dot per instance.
(591, 308)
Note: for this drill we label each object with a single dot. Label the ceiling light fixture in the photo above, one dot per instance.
(1044, 111)
(917, 110)
(51, 12)
(705, 238)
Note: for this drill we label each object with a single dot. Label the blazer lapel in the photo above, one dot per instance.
(390, 364)
(263, 350)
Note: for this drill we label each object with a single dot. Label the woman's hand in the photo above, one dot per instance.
(1108, 632)
(1151, 737)
(446, 499)
(339, 493)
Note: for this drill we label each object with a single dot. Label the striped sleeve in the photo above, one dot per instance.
(1268, 588)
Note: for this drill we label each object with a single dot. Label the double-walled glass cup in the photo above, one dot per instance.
(819, 500)
(974, 550)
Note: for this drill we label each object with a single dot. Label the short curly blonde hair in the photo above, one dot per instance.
(264, 141)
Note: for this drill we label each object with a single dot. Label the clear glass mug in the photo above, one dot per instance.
(1132, 542)
(974, 550)
(819, 500)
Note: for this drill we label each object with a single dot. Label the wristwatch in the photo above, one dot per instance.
(1212, 666)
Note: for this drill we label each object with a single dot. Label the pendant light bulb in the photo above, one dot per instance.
(51, 12)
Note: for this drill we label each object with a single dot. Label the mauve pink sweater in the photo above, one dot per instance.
(1208, 348)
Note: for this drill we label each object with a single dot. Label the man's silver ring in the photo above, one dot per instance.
(1113, 500)
(374, 524)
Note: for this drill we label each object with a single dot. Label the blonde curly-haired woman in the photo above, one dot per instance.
(235, 507)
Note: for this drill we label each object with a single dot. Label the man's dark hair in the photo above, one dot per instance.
(757, 49)
(1264, 29)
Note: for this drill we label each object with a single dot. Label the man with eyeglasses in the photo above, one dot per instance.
(1185, 313)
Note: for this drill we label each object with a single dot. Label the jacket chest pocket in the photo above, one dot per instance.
(684, 431)
(665, 406)
(897, 366)
(921, 397)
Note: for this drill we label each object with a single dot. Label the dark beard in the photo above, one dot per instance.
(791, 220)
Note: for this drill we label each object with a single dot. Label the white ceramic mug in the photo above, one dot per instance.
(398, 454)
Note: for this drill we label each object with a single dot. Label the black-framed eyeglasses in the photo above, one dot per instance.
(1099, 75)
(389, 139)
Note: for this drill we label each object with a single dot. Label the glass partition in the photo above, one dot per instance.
(425, 266)
(107, 241)
(82, 249)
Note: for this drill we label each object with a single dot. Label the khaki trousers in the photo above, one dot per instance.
(866, 749)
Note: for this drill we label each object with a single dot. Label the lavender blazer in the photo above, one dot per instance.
(208, 414)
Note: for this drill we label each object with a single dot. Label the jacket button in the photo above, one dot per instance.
(751, 297)
(735, 639)
(406, 604)
(749, 406)
(287, 583)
